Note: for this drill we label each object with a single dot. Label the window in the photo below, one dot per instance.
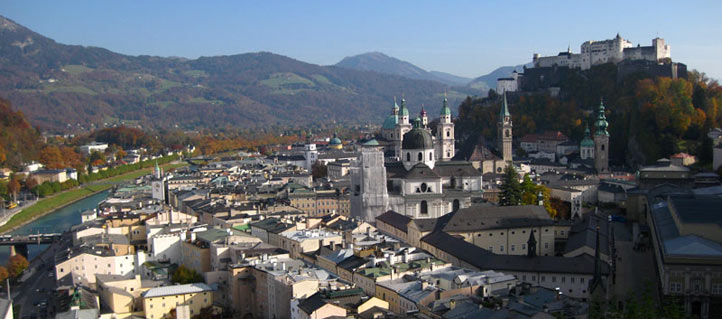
(431, 155)
(675, 286)
(533, 278)
(448, 133)
(717, 289)
(408, 157)
(424, 208)
(546, 245)
(543, 278)
(523, 277)
(424, 187)
(581, 280)
(571, 279)
(564, 279)
(554, 278)
(512, 247)
(523, 246)
(501, 248)
(420, 156)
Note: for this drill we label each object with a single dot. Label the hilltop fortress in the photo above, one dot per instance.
(600, 52)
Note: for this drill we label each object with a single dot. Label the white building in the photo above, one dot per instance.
(93, 147)
(606, 51)
(510, 84)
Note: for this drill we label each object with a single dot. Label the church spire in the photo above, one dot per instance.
(531, 245)
(601, 124)
(504, 109)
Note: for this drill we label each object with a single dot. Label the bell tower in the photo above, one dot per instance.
(445, 134)
(504, 134)
(601, 141)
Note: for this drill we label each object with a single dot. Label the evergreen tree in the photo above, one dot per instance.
(510, 188)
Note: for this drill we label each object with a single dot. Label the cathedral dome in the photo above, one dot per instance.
(417, 138)
(390, 122)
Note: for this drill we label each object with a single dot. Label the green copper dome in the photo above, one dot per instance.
(335, 140)
(417, 138)
(372, 142)
(404, 110)
(390, 122)
(587, 141)
(601, 124)
(445, 110)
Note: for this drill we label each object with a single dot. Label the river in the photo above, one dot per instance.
(55, 222)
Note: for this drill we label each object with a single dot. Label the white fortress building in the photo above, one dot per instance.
(607, 51)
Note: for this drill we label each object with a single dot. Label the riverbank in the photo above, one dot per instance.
(50, 204)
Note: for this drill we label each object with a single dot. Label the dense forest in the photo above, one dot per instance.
(649, 118)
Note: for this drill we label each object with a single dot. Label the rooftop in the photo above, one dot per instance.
(177, 290)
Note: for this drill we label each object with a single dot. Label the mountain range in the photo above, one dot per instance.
(382, 63)
(68, 88)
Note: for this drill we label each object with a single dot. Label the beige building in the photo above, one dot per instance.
(304, 241)
(122, 294)
(159, 302)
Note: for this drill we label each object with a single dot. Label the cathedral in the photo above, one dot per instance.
(420, 180)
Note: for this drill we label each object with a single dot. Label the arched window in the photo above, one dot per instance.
(424, 208)
(408, 157)
(506, 133)
(431, 155)
(448, 133)
(455, 205)
(420, 156)
(602, 147)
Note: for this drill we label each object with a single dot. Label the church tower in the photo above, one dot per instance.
(424, 118)
(310, 153)
(601, 142)
(445, 134)
(402, 127)
(504, 135)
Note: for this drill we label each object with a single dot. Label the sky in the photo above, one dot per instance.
(466, 38)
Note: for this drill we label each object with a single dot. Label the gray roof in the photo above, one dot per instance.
(79, 314)
(455, 168)
(421, 171)
(485, 260)
(395, 220)
(494, 217)
(176, 290)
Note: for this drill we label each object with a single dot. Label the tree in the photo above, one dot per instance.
(31, 183)
(510, 188)
(4, 274)
(16, 265)
(13, 186)
(96, 158)
(51, 157)
(185, 275)
(319, 170)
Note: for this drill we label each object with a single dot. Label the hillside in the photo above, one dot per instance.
(18, 140)
(649, 117)
(382, 63)
(68, 88)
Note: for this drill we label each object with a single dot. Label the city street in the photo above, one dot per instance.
(36, 296)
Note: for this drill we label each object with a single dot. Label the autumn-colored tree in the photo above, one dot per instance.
(184, 275)
(96, 158)
(3, 274)
(31, 183)
(120, 153)
(13, 186)
(51, 157)
(16, 265)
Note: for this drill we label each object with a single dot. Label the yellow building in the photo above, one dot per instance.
(158, 302)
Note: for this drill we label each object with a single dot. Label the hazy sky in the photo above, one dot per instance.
(467, 38)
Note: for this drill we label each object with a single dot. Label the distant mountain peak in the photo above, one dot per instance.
(7, 24)
(382, 63)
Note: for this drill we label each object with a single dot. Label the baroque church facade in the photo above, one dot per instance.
(420, 180)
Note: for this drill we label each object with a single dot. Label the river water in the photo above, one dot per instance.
(56, 222)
